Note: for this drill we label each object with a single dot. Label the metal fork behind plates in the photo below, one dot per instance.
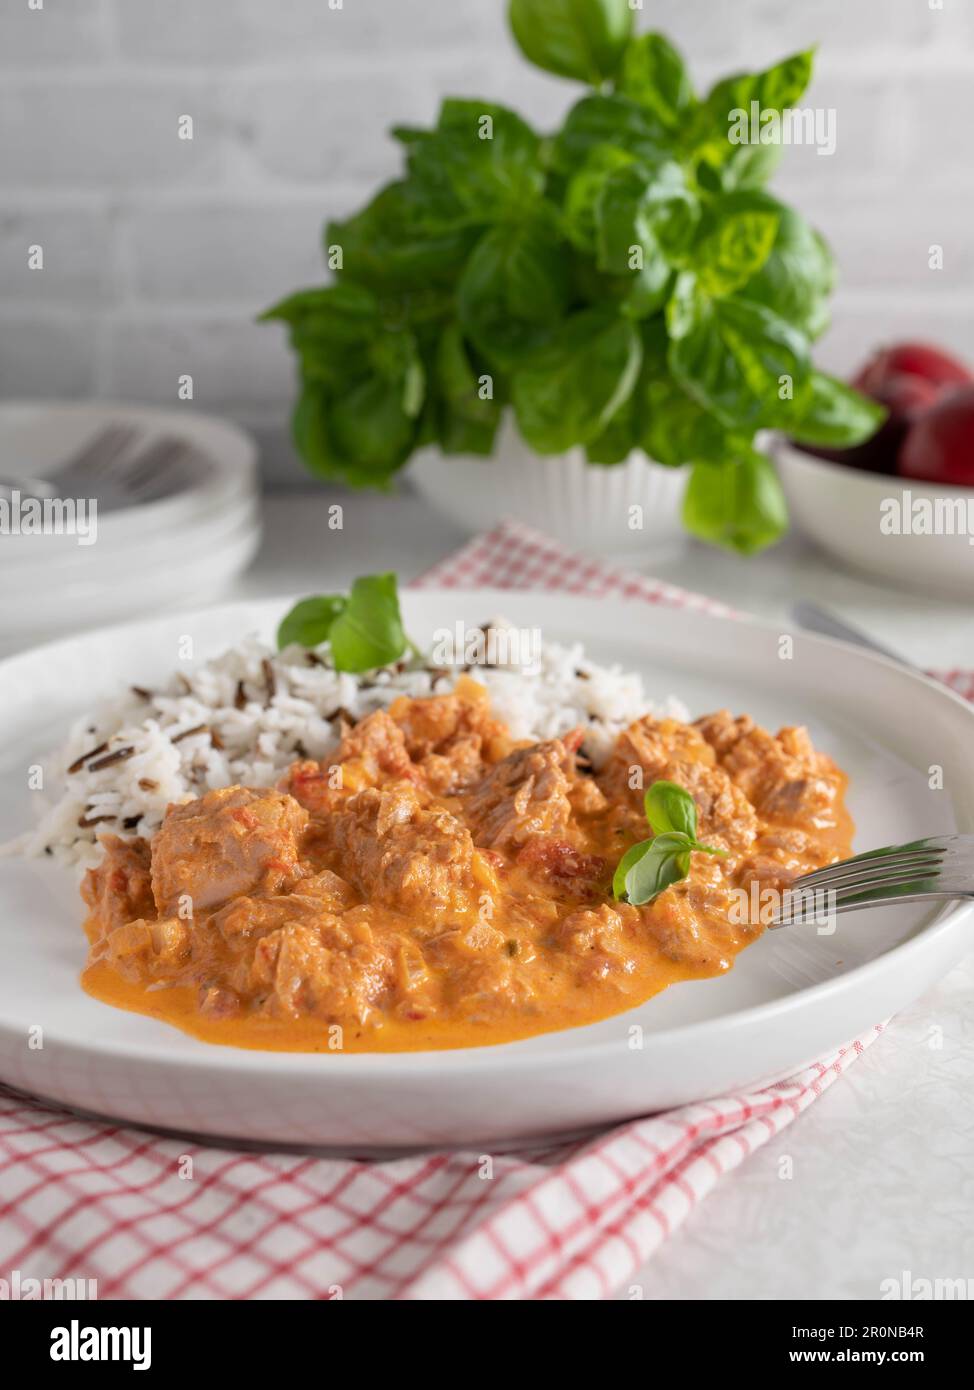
(111, 467)
(940, 867)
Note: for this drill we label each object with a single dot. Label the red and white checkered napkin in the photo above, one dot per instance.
(95, 1201)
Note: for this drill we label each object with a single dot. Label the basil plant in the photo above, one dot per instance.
(623, 283)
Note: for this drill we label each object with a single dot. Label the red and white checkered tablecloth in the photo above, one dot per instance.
(88, 1200)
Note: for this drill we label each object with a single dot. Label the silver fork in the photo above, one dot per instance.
(939, 867)
(83, 470)
(111, 467)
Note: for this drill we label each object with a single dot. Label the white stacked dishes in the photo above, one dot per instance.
(111, 511)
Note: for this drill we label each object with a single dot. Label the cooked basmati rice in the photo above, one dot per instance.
(245, 716)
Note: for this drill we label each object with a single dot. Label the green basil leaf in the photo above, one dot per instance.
(567, 391)
(583, 39)
(467, 420)
(622, 224)
(515, 286)
(665, 862)
(608, 120)
(585, 190)
(749, 167)
(349, 309)
(455, 435)
(619, 438)
(736, 238)
(314, 438)
(651, 286)
(673, 209)
(631, 857)
(738, 505)
(836, 415)
(363, 384)
(368, 632)
(654, 74)
(652, 208)
(372, 427)
(311, 435)
(481, 164)
(632, 216)
(798, 274)
(670, 807)
(736, 357)
(332, 330)
(310, 621)
(634, 294)
(676, 429)
(773, 89)
(395, 357)
(402, 240)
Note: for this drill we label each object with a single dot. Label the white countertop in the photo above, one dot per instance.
(399, 532)
(883, 1162)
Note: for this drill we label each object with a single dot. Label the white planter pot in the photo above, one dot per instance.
(584, 506)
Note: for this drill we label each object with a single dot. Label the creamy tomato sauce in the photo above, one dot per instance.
(440, 885)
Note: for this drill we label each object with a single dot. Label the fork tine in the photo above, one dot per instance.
(893, 856)
(93, 458)
(822, 901)
(799, 917)
(838, 875)
(148, 471)
(876, 887)
(88, 451)
(873, 884)
(118, 455)
(836, 882)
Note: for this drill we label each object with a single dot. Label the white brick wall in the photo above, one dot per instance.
(159, 252)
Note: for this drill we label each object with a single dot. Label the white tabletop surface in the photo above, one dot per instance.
(883, 1162)
(399, 532)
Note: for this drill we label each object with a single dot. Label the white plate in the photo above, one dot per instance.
(150, 556)
(204, 571)
(791, 997)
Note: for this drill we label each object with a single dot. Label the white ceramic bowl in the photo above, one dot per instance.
(583, 505)
(852, 514)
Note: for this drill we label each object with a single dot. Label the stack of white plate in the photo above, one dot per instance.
(178, 543)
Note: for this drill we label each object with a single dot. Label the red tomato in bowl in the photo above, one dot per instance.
(939, 447)
(919, 360)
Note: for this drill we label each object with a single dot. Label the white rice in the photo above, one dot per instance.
(271, 730)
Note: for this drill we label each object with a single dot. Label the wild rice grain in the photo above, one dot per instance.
(79, 763)
(269, 681)
(188, 733)
(118, 756)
